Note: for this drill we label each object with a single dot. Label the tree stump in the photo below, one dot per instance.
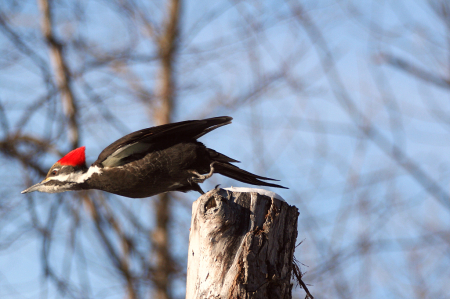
(241, 245)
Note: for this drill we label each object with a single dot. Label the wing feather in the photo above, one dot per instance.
(137, 144)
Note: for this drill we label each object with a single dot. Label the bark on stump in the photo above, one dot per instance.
(241, 245)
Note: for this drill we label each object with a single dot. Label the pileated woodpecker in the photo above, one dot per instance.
(148, 162)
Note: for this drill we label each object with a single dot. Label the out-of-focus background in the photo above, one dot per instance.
(346, 102)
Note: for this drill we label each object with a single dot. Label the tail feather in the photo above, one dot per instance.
(241, 175)
(216, 156)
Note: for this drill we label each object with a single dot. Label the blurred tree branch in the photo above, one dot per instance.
(414, 70)
(61, 71)
(167, 47)
(361, 121)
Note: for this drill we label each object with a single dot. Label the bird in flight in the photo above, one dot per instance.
(148, 162)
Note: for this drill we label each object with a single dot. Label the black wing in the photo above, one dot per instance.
(137, 144)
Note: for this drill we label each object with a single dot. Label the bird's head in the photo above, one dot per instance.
(64, 175)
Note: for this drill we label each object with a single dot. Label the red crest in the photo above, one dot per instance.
(76, 157)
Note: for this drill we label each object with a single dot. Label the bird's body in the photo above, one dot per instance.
(159, 171)
(148, 162)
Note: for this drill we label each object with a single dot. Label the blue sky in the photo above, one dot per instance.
(348, 191)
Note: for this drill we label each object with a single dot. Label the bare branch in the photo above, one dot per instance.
(61, 71)
(414, 70)
(360, 120)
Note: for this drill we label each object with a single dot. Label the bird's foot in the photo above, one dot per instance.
(202, 177)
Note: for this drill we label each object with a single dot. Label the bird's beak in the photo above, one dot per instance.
(34, 187)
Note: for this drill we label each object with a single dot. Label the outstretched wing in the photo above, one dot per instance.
(137, 144)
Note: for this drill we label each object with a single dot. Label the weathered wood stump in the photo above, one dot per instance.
(241, 245)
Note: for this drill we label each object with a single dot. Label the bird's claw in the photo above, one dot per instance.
(200, 178)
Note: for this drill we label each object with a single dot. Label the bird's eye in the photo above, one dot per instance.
(54, 172)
